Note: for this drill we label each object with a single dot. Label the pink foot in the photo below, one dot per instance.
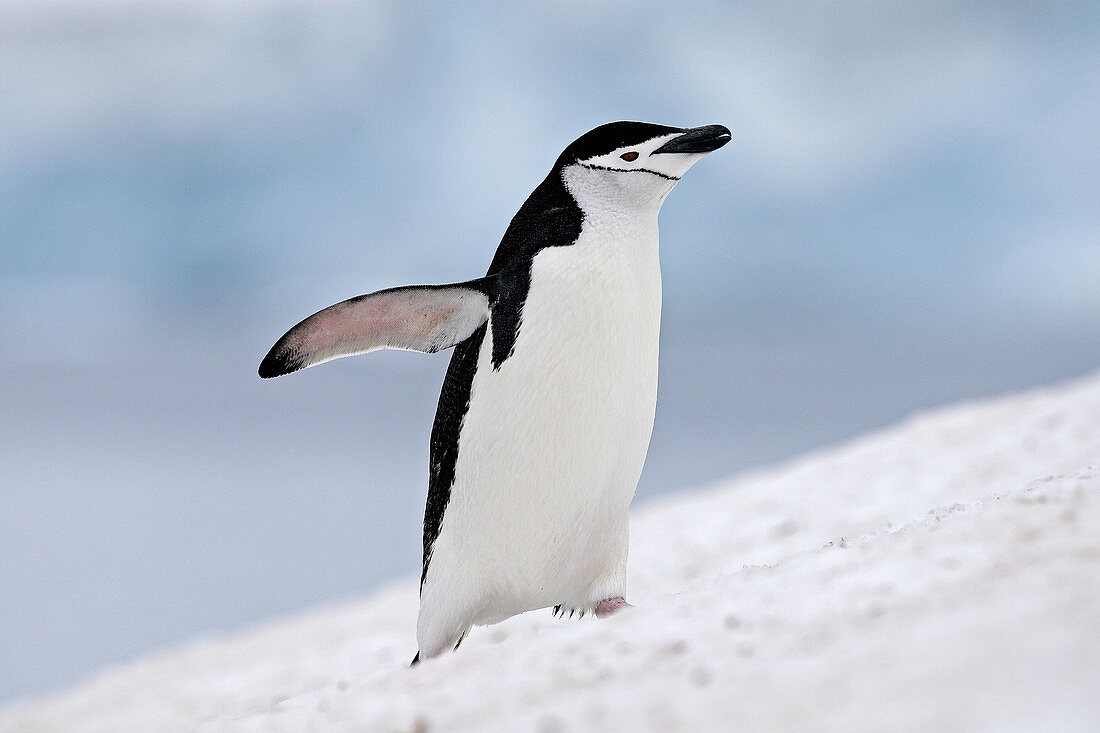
(609, 606)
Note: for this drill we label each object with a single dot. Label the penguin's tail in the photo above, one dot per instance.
(416, 659)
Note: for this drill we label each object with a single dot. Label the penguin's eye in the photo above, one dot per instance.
(629, 157)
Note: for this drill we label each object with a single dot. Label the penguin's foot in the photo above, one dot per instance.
(608, 606)
(603, 609)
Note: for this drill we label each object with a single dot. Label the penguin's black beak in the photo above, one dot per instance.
(697, 140)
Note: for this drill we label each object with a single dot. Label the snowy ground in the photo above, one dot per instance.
(941, 575)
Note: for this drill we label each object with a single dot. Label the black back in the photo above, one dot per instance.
(549, 217)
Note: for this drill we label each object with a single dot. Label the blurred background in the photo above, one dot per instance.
(908, 215)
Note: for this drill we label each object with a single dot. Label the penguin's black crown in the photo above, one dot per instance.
(614, 135)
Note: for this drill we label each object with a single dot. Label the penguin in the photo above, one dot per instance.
(547, 406)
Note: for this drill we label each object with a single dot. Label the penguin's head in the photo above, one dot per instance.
(634, 163)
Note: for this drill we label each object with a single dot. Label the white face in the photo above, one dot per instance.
(628, 177)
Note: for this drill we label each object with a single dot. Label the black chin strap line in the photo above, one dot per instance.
(594, 167)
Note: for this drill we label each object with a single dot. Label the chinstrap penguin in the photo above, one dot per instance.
(547, 407)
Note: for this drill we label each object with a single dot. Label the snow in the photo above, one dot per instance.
(941, 575)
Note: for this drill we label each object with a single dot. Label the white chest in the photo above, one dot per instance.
(554, 440)
(584, 367)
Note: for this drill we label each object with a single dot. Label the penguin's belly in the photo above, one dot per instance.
(554, 440)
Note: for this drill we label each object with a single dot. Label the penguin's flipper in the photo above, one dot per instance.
(416, 318)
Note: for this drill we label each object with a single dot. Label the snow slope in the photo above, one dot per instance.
(941, 575)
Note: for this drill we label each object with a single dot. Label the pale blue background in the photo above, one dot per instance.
(907, 215)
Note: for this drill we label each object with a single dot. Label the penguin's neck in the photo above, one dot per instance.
(625, 200)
